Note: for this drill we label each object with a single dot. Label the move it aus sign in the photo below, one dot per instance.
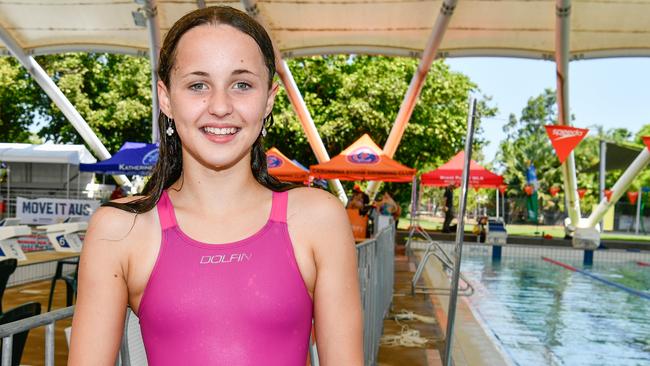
(43, 211)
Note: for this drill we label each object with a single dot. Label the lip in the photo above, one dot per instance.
(219, 125)
(219, 139)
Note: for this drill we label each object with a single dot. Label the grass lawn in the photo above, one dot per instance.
(435, 223)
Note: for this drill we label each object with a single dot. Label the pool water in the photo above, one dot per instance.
(543, 314)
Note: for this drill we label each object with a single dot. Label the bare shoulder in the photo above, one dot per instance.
(114, 224)
(317, 218)
(313, 204)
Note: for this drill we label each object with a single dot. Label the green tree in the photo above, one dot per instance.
(351, 95)
(527, 141)
(19, 98)
(111, 92)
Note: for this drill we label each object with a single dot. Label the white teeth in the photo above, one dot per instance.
(221, 131)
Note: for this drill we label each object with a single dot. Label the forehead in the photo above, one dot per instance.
(220, 47)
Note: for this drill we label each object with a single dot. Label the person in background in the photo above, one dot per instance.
(448, 207)
(387, 208)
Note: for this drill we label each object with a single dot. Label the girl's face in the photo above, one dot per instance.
(218, 94)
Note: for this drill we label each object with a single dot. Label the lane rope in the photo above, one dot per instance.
(641, 294)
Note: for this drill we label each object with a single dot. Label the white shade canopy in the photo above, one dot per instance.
(519, 28)
(46, 153)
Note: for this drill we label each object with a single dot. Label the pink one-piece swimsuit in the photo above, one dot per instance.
(241, 303)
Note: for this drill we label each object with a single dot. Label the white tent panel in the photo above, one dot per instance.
(519, 28)
(46, 153)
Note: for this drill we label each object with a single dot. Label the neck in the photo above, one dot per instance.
(210, 190)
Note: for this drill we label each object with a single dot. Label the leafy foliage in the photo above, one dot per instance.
(19, 95)
(527, 142)
(351, 95)
(111, 92)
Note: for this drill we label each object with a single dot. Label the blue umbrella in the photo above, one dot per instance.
(133, 158)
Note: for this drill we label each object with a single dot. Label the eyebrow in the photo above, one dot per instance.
(243, 71)
(205, 74)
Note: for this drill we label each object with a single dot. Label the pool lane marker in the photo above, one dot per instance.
(642, 294)
(643, 264)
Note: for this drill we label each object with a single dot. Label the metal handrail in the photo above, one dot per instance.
(434, 249)
(8, 330)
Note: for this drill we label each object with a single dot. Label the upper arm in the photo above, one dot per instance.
(100, 310)
(337, 300)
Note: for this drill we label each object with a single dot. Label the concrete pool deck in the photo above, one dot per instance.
(474, 345)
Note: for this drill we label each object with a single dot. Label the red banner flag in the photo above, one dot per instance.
(608, 194)
(632, 196)
(581, 192)
(564, 139)
(554, 190)
(529, 189)
(646, 141)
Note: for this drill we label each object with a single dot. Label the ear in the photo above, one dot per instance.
(271, 98)
(164, 102)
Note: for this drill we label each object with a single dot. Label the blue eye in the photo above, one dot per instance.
(242, 85)
(198, 87)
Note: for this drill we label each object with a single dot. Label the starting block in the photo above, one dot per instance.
(9, 233)
(496, 233)
(65, 237)
(583, 237)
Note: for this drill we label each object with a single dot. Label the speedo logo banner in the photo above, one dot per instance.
(564, 139)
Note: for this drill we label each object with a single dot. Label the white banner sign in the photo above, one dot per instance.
(44, 211)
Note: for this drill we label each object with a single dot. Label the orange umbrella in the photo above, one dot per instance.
(363, 160)
(283, 168)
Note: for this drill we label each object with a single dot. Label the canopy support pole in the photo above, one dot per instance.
(55, 94)
(602, 172)
(562, 29)
(620, 187)
(153, 27)
(415, 87)
(497, 205)
(637, 221)
(297, 102)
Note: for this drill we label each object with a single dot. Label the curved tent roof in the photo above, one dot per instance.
(133, 158)
(46, 153)
(451, 172)
(519, 28)
(363, 160)
(283, 168)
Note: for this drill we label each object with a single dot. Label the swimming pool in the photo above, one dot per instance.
(543, 314)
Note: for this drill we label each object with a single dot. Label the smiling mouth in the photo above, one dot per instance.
(226, 131)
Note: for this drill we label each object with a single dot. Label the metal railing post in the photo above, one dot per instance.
(7, 344)
(49, 344)
(458, 251)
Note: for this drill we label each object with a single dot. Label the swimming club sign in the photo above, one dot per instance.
(273, 161)
(363, 155)
(43, 211)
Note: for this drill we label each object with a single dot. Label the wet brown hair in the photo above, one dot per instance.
(169, 167)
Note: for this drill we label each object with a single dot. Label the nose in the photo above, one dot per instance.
(220, 103)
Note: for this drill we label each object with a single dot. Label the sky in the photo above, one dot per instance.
(613, 92)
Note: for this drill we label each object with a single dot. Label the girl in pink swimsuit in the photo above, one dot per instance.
(222, 263)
